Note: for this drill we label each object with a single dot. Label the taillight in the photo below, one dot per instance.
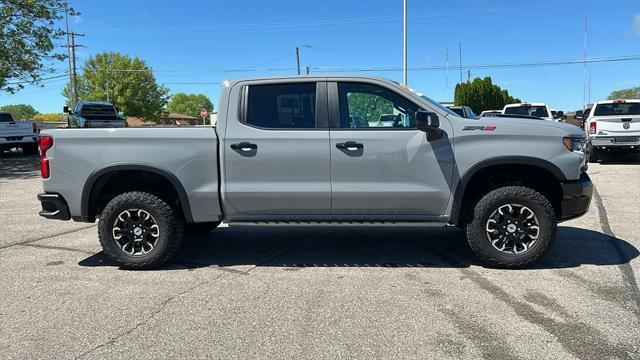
(592, 127)
(45, 142)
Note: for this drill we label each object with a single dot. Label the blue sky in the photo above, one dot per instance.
(191, 44)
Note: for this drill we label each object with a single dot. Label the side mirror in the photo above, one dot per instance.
(426, 121)
(65, 109)
(579, 114)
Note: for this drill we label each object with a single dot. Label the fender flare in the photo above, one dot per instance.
(87, 189)
(461, 187)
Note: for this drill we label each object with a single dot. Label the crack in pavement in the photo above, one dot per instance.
(625, 268)
(64, 248)
(161, 307)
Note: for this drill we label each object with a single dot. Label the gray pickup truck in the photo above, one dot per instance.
(311, 150)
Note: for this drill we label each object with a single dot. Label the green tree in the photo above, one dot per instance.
(128, 83)
(631, 93)
(189, 104)
(368, 107)
(28, 33)
(20, 111)
(481, 95)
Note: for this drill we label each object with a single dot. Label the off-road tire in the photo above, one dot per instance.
(169, 221)
(200, 228)
(478, 215)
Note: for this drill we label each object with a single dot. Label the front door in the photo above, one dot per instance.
(381, 166)
(277, 153)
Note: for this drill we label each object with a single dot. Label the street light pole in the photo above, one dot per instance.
(405, 44)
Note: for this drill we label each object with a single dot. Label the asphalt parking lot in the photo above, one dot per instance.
(320, 292)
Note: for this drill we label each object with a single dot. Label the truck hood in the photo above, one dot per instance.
(571, 130)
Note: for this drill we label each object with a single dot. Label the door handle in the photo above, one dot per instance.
(350, 145)
(244, 146)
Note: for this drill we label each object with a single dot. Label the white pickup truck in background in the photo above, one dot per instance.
(18, 134)
(613, 125)
(540, 110)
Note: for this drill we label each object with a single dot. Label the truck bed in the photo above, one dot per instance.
(186, 155)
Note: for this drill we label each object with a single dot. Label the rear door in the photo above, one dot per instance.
(276, 155)
(385, 169)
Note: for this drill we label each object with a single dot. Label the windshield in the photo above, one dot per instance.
(617, 109)
(434, 103)
(529, 110)
(5, 117)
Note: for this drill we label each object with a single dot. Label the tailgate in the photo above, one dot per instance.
(617, 125)
(18, 128)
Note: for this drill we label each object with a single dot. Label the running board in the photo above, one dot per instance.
(340, 223)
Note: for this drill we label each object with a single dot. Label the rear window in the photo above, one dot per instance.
(6, 117)
(458, 111)
(538, 111)
(282, 106)
(97, 110)
(617, 109)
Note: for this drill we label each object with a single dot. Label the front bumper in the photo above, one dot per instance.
(615, 141)
(53, 206)
(576, 197)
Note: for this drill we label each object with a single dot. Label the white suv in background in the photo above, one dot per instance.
(614, 124)
(540, 110)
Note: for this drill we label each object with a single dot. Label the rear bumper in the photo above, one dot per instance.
(53, 206)
(576, 197)
(612, 141)
(17, 140)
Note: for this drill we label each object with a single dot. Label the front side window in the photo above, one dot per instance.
(282, 106)
(370, 106)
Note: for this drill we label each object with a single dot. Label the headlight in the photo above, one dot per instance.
(575, 143)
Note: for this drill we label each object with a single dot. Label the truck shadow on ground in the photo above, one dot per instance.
(303, 247)
(15, 165)
(617, 158)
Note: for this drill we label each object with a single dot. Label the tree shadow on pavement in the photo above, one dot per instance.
(15, 165)
(300, 247)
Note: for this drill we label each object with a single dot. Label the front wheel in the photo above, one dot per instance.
(140, 230)
(511, 227)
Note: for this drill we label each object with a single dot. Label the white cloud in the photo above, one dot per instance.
(636, 25)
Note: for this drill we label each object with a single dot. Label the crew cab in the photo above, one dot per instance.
(539, 110)
(312, 150)
(94, 114)
(18, 134)
(614, 125)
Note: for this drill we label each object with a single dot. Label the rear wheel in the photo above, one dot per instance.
(594, 156)
(139, 230)
(511, 227)
(30, 149)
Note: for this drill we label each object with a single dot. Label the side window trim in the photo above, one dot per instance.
(334, 109)
(321, 119)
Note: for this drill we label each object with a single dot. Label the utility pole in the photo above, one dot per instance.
(446, 74)
(460, 53)
(72, 65)
(584, 75)
(469, 75)
(404, 58)
(66, 19)
(298, 55)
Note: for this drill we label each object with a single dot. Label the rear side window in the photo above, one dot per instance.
(282, 106)
(617, 109)
(97, 110)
